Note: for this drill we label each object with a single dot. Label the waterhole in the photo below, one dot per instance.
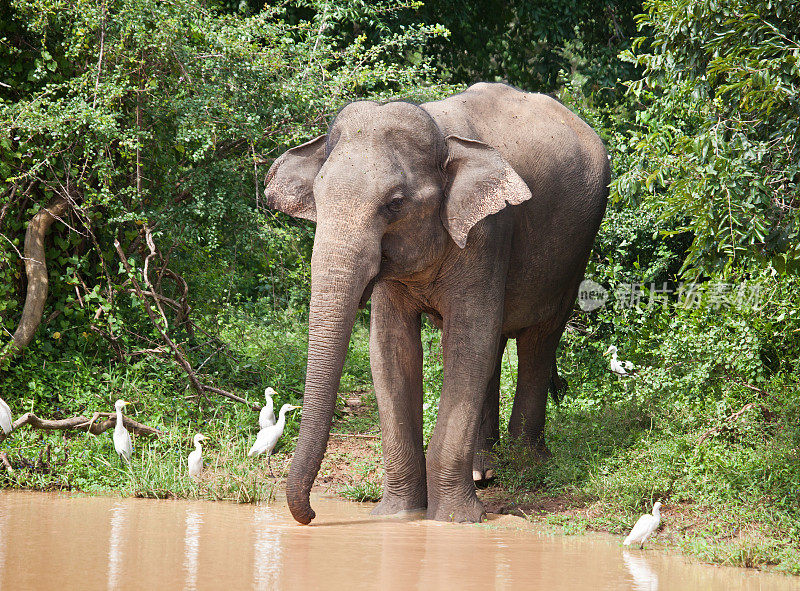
(57, 541)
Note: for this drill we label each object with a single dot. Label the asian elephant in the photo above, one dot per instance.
(479, 210)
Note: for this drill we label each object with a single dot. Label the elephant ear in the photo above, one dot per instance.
(290, 180)
(480, 182)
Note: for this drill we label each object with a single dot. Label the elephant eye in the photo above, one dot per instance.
(395, 204)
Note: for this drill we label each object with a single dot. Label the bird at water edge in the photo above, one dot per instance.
(6, 419)
(645, 527)
(267, 438)
(266, 418)
(122, 439)
(196, 457)
(618, 367)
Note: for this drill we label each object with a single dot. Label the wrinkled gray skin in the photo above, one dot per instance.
(479, 210)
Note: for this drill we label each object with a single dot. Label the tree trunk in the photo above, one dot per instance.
(36, 270)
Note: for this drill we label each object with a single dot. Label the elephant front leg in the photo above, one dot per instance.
(470, 343)
(395, 350)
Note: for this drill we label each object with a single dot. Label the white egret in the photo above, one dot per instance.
(618, 367)
(645, 527)
(267, 438)
(6, 419)
(266, 418)
(122, 439)
(196, 457)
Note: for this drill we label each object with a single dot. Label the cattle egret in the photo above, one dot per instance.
(645, 527)
(5, 417)
(122, 439)
(266, 418)
(267, 438)
(196, 457)
(618, 367)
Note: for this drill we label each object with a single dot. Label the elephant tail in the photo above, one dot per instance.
(558, 385)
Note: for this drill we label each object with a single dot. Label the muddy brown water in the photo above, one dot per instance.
(56, 541)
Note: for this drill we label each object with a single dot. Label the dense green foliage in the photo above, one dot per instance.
(159, 120)
(716, 145)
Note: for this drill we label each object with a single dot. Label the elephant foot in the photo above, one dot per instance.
(394, 504)
(471, 511)
(533, 447)
(482, 476)
(539, 451)
(483, 465)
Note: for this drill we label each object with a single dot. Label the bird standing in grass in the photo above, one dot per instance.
(266, 418)
(621, 368)
(6, 419)
(122, 439)
(268, 437)
(645, 527)
(196, 457)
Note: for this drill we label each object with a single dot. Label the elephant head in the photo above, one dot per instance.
(389, 194)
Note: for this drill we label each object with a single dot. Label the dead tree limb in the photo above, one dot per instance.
(157, 319)
(227, 394)
(81, 423)
(196, 385)
(728, 420)
(36, 270)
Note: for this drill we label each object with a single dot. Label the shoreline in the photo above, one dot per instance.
(352, 470)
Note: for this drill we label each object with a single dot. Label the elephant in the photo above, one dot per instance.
(479, 210)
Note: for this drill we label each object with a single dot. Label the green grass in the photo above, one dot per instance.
(363, 491)
(618, 445)
(158, 468)
(730, 500)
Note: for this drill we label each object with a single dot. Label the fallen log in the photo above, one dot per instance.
(81, 423)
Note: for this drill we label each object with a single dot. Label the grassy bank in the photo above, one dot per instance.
(726, 502)
(254, 352)
(729, 480)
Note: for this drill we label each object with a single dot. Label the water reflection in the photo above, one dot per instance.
(266, 549)
(119, 517)
(54, 541)
(4, 535)
(399, 561)
(191, 546)
(644, 577)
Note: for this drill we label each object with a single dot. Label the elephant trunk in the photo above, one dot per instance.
(340, 274)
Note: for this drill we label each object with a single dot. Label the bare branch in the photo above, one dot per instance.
(227, 394)
(81, 423)
(728, 420)
(196, 385)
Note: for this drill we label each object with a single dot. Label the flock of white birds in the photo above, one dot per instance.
(270, 431)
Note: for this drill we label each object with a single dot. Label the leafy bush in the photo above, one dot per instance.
(716, 142)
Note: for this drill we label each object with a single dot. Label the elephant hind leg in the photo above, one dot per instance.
(535, 377)
(489, 430)
(558, 385)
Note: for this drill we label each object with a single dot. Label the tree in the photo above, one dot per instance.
(716, 142)
(140, 132)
